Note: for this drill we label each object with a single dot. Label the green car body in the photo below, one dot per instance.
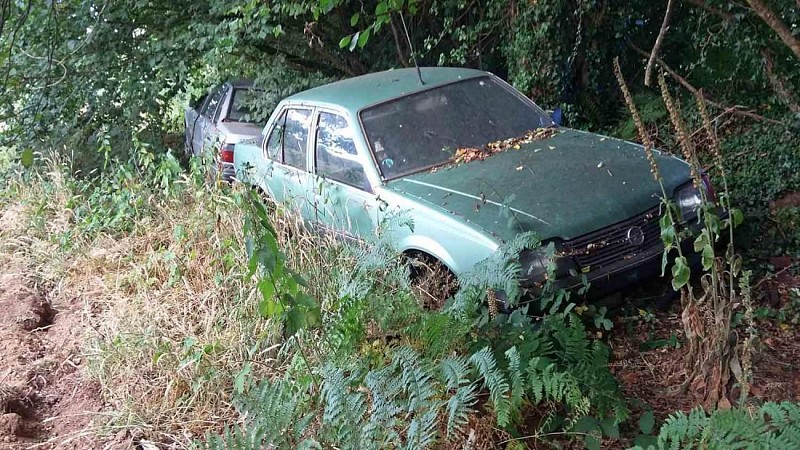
(577, 189)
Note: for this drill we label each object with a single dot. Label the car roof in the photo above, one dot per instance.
(359, 92)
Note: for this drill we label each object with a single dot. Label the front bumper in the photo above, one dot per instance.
(628, 273)
(633, 267)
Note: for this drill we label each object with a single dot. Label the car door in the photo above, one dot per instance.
(201, 126)
(191, 116)
(287, 145)
(344, 202)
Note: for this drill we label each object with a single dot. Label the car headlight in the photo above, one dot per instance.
(535, 264)
(689, 200)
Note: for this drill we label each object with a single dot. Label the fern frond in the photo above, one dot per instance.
(515, 375)
(416, 380)
(455, 372)
(422, 432)
(494, 380)
(458, 408)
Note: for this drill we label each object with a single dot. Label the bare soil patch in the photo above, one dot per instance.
(650, 368)
(41, 358)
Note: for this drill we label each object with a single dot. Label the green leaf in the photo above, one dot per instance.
(381, 9)
(585, 424)
(269, 307)
(646, 422)
(238, 382)
(708, 257)
(646, 442)
(295, 321)
(266, 288)
(701, 241)
(667, 231)
(345, 41)
(680, 273)
(26, 159)
(737, 216)
(363, 38)
(592, 441)
(354, 19)
(610, 427)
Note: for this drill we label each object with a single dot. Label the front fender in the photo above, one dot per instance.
(456, 244)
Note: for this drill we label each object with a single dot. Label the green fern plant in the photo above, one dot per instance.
(771, 426)
(275, 415)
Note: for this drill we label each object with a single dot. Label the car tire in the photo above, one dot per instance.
(431, 280)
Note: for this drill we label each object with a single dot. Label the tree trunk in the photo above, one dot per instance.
(785, 94)
(777, 25)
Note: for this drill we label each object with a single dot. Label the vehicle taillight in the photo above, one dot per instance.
(712, 195)
(226, 153)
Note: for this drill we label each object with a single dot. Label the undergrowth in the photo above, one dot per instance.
(219, 321)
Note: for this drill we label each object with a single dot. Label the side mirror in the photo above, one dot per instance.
(556, 115)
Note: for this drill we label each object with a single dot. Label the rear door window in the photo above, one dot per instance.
(295, 137)
(219, 107)
(211, 106)
(275, 141)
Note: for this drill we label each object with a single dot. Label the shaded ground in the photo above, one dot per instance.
(40, 353)
(647, 357)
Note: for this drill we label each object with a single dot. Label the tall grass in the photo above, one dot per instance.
(173, 318)
(182, 346)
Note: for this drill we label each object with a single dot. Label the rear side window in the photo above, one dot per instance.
(211, 106)
(336, 157)
(219, 108)
(241, 108)
(275, 142)
(295, 137)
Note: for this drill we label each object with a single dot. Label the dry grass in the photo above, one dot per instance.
(177, 319)
(173, 319)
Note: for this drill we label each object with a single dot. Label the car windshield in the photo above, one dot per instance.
(423, 130)
(242, 106)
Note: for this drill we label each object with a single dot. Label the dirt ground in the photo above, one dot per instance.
(41, 353)
(649, 376)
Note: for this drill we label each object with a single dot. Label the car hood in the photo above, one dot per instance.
(561, 187)
(238, 131)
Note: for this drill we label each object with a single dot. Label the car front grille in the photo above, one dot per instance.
(618, 242)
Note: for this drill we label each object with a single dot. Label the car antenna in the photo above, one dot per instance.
(411, 46)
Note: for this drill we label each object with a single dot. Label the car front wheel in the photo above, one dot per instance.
(431, 281)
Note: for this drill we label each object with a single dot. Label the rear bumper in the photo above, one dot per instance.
(226, 172)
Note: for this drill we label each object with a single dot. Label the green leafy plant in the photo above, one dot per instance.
(710, 354)
(772, 425)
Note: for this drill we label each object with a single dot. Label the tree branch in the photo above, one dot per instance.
(778, 85)
(777, 25)
(682, 81)
(659, 40)
(726, 16)
(401, 56)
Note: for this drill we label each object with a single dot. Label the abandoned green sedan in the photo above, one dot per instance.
(473, 163)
